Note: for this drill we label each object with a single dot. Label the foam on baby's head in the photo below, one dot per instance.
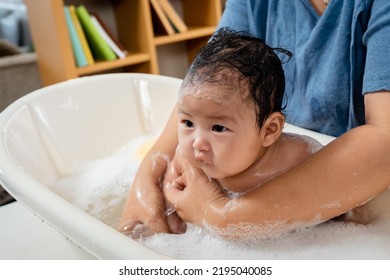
(224, 86)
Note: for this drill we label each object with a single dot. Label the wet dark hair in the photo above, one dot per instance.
(249, 59)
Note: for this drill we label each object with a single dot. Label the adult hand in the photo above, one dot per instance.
(172, 179)
(193, 194)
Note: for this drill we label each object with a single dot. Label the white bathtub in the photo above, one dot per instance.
(47, 132)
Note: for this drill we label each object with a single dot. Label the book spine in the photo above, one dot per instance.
(107, 38)
(78, 51)
(81, 35)
(173, 16)
(98, 45)
(109, 33)
(163, 19)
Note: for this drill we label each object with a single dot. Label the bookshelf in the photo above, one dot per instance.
(132, 22)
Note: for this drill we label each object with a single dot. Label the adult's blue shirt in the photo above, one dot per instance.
(337, 57)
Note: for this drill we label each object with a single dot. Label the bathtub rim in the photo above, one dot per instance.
(35, 197)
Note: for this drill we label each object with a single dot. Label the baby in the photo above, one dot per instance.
(230, 118)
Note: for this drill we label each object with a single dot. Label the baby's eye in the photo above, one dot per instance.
(188, 123)
(219, 128)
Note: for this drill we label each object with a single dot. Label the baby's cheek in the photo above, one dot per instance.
(185, 149)
(230, 162)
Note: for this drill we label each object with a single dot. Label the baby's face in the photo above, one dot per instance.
(220, 136)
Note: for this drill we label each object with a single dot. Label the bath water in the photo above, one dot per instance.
(99, 187)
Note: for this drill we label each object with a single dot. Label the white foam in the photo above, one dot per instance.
(332, 240)
(100, 188)
(313, 144)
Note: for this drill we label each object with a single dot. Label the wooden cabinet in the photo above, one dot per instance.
(131, 21)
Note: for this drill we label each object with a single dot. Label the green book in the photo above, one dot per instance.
(100, 48)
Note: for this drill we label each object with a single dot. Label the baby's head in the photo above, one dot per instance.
(230, 103)
(245, 65)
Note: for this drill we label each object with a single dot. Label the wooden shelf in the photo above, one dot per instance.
(192, 33)
(133, 24)
(102, 66)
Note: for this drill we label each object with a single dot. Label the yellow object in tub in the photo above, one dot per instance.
(144, 148)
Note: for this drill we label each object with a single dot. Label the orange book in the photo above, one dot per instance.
(80, 32)
(77, 48)
(173, 16)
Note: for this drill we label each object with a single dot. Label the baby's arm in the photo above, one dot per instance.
(172, 179)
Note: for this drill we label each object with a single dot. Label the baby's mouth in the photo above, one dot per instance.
(202, 158)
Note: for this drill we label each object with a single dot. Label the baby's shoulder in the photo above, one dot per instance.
(309, 144)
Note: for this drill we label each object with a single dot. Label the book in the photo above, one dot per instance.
(100, 49)
(107, 38)
(162, 18)
(109, 33)
(78, 52)
(81, 35)
(173, 16)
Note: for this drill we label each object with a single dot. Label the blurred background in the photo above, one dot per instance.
(18, 69)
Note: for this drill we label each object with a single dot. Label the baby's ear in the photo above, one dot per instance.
(272, 128)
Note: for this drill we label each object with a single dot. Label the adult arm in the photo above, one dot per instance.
(346, 173)
(145, 204)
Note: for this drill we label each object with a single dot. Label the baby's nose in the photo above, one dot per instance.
(201, 143)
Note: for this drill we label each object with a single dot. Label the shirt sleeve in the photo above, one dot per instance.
(377, 41)
(235, 15)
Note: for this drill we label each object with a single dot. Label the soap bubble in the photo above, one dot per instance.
(100, 187)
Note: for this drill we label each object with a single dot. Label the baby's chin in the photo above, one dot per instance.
(209, 172)
(214, 173)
